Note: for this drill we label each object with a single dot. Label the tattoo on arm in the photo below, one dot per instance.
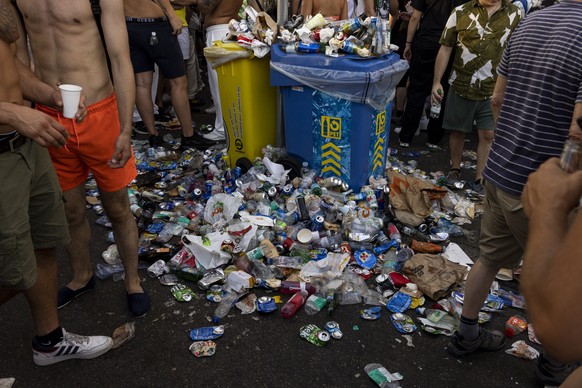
(8, 28)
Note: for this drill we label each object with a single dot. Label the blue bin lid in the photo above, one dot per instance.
(348, 62)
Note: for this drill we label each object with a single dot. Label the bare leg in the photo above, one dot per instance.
(42, 297)
(80, 231)
(483, 148)
(116, 205)
(456, 144)
(179, 93)
(477, 288)
(143, 100)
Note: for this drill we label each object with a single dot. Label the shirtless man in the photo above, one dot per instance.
(67, 48)
(143, 17)
(333, 9)
(31, 205)
(217, 14)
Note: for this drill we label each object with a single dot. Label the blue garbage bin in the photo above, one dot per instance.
(337, 110)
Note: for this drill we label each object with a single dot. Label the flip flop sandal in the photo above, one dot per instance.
(181, 293)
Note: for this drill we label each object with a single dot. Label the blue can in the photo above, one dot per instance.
(235, 173)
(311, 48)
(207, 333)
(316, 223)
(229, 189)
(155, 227)
(208, 189)
(266, 304)
(167, 206)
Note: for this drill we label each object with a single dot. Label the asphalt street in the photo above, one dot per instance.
(256, 350)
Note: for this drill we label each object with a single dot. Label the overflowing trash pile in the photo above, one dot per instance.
(257, 31)
(204, 227)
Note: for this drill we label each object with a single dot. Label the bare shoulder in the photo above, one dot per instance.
(8, 29)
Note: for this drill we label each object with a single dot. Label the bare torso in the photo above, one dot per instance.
(142, 9)
(9, 82)
(66, 45)
(224, 11)
(328, 8)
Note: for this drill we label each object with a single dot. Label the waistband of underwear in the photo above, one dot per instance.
(146, 20)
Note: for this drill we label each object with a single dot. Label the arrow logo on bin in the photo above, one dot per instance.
(378, 160)
(331, 158)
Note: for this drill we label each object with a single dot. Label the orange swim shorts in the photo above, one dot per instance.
(90, 146)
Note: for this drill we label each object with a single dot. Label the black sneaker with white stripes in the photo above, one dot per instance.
(71, 346)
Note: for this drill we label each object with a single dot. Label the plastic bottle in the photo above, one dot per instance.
(292, 306)
(307, 176)
(224, 306)
(105, 271)
(571, 157)
(287, 262)
(393, 232)
(288, 287)
(390, 262)
(243, 263)
(435, 109)
(153, 39)
(315, 303)
(515, 325)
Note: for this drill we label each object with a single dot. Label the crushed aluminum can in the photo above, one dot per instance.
(314, 334)
(371, 314)
(227, 246)
(207, 333)
(203, 348)
(157, 269)
(212, 276)
(459, 185)
(403, 323)
(399, 302)
(266, 304)
(333, 328)
(215, 293)
(98, 209)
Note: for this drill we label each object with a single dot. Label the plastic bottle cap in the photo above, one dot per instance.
(509, 332)
(304, 236)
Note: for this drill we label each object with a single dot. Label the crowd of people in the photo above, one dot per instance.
(494, 66)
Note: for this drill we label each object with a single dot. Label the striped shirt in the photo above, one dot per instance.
(543, 67)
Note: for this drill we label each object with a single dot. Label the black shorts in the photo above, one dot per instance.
(166, 53)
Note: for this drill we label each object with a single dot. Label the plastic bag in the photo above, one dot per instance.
(220, 209)
(220, 53)
(375, 88)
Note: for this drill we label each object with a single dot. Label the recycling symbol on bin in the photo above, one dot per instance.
(238, 144)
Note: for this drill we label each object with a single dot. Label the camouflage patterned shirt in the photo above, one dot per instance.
(479, 40)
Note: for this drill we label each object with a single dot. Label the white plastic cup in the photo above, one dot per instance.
(71, 94)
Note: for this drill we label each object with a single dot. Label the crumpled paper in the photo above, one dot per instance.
(520, 349)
